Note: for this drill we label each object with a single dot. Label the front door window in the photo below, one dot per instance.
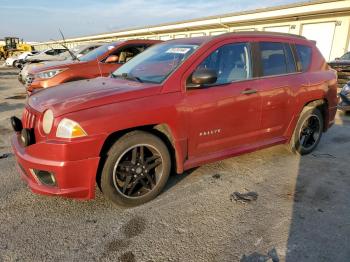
(231, 63)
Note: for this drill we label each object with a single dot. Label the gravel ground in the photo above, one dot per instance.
(301, 214)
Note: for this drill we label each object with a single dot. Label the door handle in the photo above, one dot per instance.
(249, 91)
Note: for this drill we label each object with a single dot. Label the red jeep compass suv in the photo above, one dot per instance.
(179, 104)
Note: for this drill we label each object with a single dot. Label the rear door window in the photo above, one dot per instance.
(304, 53)
(276, 59)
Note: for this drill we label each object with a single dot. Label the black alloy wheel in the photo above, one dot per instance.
(310, 132)
(138, 170)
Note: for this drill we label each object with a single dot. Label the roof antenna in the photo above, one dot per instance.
(65, 46)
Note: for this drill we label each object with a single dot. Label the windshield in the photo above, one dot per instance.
(346, 56)
(156, 63)
(97, 52)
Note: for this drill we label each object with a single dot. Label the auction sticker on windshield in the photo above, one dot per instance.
(178, 50)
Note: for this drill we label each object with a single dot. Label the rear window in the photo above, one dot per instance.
(276, 59)
(50, 52)
(345, 56)
(304, 53)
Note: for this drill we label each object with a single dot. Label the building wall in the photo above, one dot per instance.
(326, 22)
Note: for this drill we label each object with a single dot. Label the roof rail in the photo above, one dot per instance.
(262, 33)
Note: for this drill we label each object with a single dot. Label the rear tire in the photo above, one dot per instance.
(136, 169)
(308, 131)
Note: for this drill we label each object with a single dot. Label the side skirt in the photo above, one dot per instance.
(217, 156)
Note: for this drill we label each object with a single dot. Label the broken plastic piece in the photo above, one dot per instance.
(216, 176)
(5, 155)
(244, 197)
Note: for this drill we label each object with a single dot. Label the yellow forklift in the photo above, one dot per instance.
(13, 46)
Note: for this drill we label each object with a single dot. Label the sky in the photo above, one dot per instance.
(40, 20)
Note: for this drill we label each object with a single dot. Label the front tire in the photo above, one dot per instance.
(136, 169)
(308, 131)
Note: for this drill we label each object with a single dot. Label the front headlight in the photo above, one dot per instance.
(49, 73)
(69, 129)
(48, 121)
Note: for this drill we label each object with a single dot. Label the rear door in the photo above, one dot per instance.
(278, 82)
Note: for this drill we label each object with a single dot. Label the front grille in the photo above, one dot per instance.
(28, 119)
(29, 80)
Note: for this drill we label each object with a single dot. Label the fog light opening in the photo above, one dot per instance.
(44, 177)
(22, 169)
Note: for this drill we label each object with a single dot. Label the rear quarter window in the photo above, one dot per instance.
(305, 55)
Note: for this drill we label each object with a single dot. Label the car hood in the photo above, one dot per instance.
(44, 57)
(43, 66)
(79, 95)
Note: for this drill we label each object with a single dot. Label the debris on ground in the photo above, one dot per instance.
(216, 176)
(5, 155)
(323, 156)
(20, 96)
(256, 257)
(127, 257)
(258, 241)
(244, 197)
(93, 221)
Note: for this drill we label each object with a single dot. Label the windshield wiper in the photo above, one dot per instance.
(128, 77)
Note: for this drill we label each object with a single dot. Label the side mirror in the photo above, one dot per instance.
(112, 59)
(337, 58)
(201, 77)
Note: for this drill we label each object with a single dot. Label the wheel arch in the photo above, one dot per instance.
(161, 130)
(322, 105)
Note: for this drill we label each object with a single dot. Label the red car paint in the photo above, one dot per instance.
(204, 125)
(78, 70)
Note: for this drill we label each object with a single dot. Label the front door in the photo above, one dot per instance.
(227, 114)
